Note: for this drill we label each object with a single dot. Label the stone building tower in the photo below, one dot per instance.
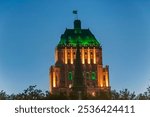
(78, 64)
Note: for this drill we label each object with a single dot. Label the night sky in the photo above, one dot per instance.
(31, 29)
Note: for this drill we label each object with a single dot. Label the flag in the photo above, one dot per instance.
(74, 11)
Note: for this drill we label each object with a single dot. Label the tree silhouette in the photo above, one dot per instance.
(145, 95)
(115, 95)
(3, 95)
(32, 93)
(124, 94)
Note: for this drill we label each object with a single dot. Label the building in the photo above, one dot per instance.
(78, 64)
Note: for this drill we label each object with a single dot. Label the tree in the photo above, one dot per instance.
(141, 96)
(145, 95)
(61, 96)
(31, 93)
(3, 95)
(126, 95)
(122, 95)
(115, 95)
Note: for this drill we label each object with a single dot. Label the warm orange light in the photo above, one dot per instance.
(83, 60)
(51, 85)
(94, 56)
(66, 55)
(93, 94)
(106, 79)
(88, 55)
(70, 86)
(56, 55)
(101, 84)
(54, 80)
(71, 56)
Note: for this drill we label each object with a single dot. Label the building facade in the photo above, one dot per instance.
(68, 72)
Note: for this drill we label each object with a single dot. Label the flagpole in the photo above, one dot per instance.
(75, 12)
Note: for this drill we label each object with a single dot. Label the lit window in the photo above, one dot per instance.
(70, 76)
(93, 76)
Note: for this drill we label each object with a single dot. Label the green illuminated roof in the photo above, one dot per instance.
(83, 36)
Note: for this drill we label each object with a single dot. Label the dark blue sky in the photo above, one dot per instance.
(30, 30)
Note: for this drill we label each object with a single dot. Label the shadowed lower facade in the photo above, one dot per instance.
(78, 64)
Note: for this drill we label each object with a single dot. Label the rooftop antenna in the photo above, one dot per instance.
(75, 12)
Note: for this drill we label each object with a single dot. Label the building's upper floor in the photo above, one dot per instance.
(78, 35)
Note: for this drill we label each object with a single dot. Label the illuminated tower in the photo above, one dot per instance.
(78, 43)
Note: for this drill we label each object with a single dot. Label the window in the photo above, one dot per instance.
(70, 76)
(93, 76)
(87, 75)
